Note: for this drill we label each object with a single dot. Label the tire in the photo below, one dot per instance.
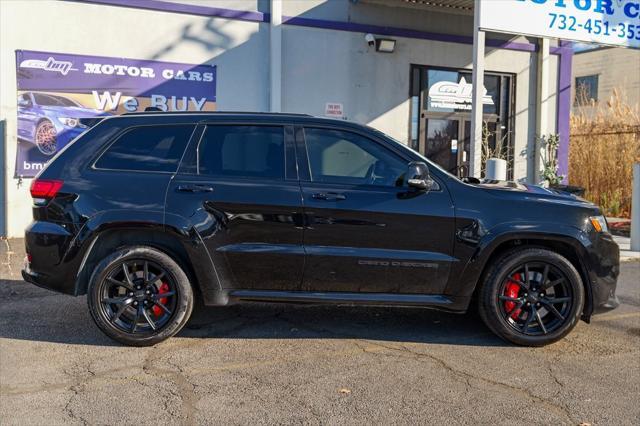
(46, 137)
(139, 296)
(509, 306)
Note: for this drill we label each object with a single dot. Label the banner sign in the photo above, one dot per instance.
(56, 91)
(613, 22)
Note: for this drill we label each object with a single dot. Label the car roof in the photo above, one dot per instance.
(205, 116)
(218, 113)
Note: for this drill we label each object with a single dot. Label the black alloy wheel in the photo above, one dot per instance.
(531, 297)
(139, 296)
(535, 299)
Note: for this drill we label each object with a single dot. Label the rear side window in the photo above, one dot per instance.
(242, 151)
(148, 149)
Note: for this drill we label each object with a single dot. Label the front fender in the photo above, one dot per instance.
(475, 253)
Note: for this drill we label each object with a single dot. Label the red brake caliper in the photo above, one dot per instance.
(511, 290)
(157, 310)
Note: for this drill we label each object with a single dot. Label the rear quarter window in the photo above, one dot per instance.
(147, 149)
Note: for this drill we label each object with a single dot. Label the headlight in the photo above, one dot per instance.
(71, 122)
(599, 223)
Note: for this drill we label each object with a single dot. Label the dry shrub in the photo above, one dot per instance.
(604, 144)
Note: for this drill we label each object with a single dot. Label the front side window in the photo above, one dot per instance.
(347, 158)
(242, 151)
(147, 148)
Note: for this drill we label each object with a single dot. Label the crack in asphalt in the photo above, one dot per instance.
(549, 365)
(466, 376)
(77, 389)
(184, 388)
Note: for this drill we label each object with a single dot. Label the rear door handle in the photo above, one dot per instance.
(328, 196)
(194, 188)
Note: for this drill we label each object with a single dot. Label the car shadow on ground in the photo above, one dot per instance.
(30, 313)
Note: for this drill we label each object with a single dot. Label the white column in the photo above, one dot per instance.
(275, 56)
(542, 105)
(475, 148)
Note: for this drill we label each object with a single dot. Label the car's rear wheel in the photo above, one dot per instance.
(139, 296)
(46, 137)
(531, 297)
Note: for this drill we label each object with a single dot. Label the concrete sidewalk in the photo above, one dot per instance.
(626, 254)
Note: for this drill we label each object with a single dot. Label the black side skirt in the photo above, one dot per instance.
(342, 298)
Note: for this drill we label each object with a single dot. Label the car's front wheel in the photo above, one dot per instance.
(531, 297)
(139, 296)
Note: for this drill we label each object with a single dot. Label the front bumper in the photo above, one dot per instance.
(603, 267)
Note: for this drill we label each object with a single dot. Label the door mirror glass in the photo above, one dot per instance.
(418, 176)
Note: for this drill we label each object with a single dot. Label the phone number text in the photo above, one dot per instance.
(595, 26)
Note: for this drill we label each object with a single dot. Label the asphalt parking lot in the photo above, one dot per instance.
(263, 364)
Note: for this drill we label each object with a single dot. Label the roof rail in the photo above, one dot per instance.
(154, 110)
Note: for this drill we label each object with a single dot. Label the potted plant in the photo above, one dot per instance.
(550, 176)
(493, 158)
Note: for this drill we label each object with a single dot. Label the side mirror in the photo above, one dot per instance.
(418, 176)
(23, 103)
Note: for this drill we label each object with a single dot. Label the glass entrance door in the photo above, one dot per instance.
(447, 144)
(463, 168)
(441, 142)
(440, 124)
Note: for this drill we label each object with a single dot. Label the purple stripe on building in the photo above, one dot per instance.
(402, 32)
(190, 9)
(564, 106)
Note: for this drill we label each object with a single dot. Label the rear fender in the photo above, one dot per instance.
(109, 230)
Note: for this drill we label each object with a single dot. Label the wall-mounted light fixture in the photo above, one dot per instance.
(385, 45)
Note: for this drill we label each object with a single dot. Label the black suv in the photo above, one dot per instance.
(146, 212)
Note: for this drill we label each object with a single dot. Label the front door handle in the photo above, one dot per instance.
(194, 188)
(328, 196)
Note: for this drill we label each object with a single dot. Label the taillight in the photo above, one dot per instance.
(45, 188)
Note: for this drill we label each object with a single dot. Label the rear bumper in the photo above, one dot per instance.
(48, 282)
(48, 244)
(36, 279)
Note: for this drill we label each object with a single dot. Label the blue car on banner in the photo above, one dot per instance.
(51, 121)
